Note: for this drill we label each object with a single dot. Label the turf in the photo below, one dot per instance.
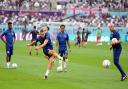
(85, 69)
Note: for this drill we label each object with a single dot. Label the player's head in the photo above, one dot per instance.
(46, 28)
(62, 27)
(42, 32)
(34, 27)
(111, 27)
(9, 24)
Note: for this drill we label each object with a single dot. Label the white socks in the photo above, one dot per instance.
(65, 63)
(47, 72)
(61, 58)
(8, 64)
(60, 63)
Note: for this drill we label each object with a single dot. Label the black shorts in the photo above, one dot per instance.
(9, 50)
(46, 52)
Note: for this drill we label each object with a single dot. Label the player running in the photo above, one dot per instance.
(62, 43)
(47, 46)
(34, 34)
(117, 48)
(8, 37)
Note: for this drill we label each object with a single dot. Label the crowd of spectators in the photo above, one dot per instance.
(119, 5)
(25, 4)
(93, 21)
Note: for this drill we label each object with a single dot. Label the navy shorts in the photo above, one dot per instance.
(9, 50)
(63, 52)
(46, 52)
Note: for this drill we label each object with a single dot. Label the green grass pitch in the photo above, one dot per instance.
(85, 69)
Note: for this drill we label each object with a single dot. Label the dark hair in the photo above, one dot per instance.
(9, 23)
(34, 27)
(62, 25)
(48, 28)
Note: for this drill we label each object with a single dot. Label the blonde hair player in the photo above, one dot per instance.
(117, 48)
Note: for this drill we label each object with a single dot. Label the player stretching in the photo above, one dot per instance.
(62, 43)
(47, 46)
(34, 33)
(8, 37)
(116, 50)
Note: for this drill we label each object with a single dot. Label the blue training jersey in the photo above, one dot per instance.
(49, 45)
(9, 36)
(116, 35)
(62, 39)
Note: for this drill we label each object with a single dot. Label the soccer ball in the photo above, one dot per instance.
(114, 40)
(14, 65)
(59, 69)
(106, 63)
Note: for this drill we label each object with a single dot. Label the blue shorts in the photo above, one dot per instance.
(63, 52)
(46, 52)
(9, 50)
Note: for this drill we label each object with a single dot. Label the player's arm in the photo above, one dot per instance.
(57, 42)
(3, 38)
(42, 45)
(14, 38)
(68, 43)
(118, 40)
(33, 42)
(114, 43)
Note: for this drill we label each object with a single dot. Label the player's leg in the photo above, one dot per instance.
(8, 56)
(116, 54)
(83, 41)
(30, 50)
(97, 39)
(100, 43)
(50, 64)
(79, 43)
(7, 61)
(65, 60)
(51, 52)
(86, 39)
(11, 53)
(36, 50)
(76, 44)
(61, 54)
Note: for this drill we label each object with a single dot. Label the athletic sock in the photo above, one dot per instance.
(47, 72)
(61, 58)
(60, 63)
(65, 63)
(8, 64)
